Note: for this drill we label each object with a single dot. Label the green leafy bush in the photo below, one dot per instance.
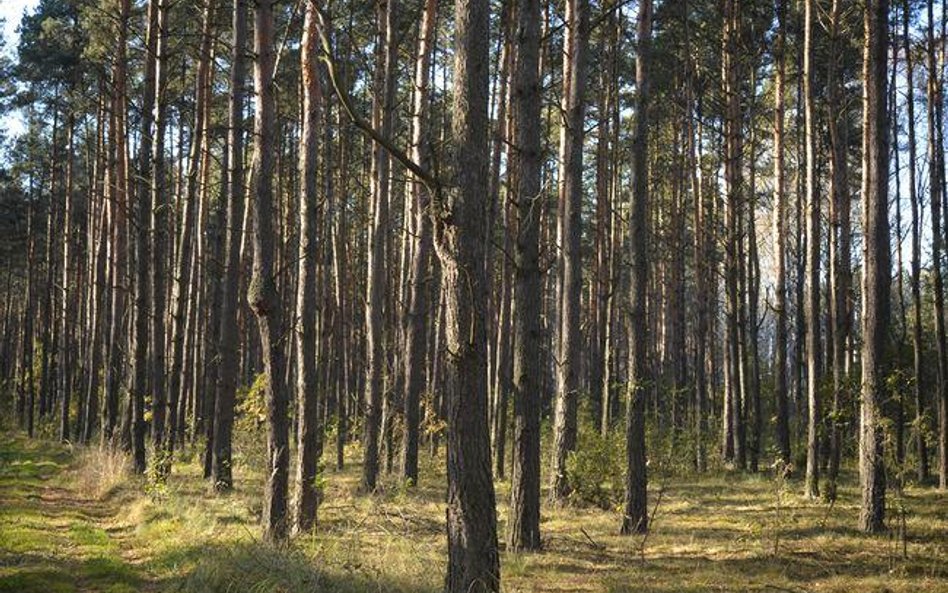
(596, 469)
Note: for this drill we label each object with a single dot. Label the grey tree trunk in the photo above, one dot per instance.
(307, 418)
(262, 293)
(416, 352)
(524, 531)
(375, 283)
(221, 470)
(635, 517)
(876, 258)
(811, 487)
(473, 559)
(569, 336)
(780, 239)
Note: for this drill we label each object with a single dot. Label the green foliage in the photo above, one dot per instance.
(250, 423)
(596, 469)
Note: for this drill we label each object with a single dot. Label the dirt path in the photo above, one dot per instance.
(55, 539)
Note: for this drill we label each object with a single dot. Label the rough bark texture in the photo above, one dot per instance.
(221, 471)
(876, 257)
(635, 517)
(569, 337)
(416, 351)
(524, 531)
(307, 418)
(262, 293)
(473, 560)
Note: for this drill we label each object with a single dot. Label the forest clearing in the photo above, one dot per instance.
(63, 531)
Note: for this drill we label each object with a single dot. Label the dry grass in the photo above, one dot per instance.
(99, 471)
(711, 533)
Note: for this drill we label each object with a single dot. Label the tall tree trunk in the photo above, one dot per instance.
(142, 261)
(473, 559)
(936, 187)
(876, 258)
(159, 226)
(70, 271)
(118, 227)
(221, 470)
(308, 421)
(262, 293)
(415, 336)
(840, 231)
(569, 337)
(733, 414)
(780, 238)
(921, 448)
(524, 531)
(382, 109)
(811, 486)
(635, 518)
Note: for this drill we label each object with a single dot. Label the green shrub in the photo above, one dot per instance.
(596, 469)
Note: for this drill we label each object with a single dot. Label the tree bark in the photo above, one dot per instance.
(569, 337)
(473, 559)
(262, 293)
(811, 486)
(308, 421)
(524, 531)
(876, 258)
(635, 518)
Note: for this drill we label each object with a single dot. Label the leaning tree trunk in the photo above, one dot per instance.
(876, 262)
(262, 293)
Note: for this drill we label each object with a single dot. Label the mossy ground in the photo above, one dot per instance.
(722, 532)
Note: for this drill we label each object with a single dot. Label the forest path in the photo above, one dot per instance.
(54, 536)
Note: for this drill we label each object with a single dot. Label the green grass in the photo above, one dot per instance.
(61, 531)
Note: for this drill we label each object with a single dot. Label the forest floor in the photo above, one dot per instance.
(70, 520)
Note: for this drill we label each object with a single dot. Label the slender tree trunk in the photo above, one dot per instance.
(936, 187)
(308, 422)
(780, 250)
(70, 293)
(262, 294)
(524, 531)
(876, 258)
(375, 282)
(840, 232)
(221, 470)
(811, 487)
(415, 336)
(635, 518)
(570, 222)
(159, 255)
(142, 261)
(921, 448)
